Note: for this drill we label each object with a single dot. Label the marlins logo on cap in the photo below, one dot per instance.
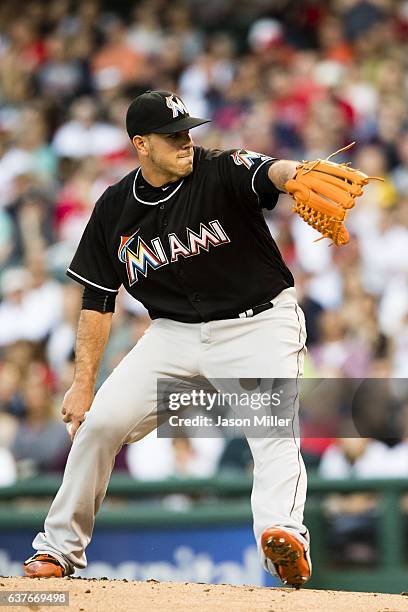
(176, 105)
(160, 112)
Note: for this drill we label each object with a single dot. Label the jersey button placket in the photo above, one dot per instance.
(164, 221)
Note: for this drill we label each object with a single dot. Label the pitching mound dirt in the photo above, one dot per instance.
(112, 595)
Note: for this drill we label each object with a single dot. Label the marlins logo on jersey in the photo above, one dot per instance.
(245, 158)
(143, 255)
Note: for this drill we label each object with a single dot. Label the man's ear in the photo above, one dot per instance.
(141, 145)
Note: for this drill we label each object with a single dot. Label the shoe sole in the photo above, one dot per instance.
(286, 551)
(40, 569)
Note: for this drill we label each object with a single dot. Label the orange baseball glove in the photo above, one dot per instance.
(323, 192)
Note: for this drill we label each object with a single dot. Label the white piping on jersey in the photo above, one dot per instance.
(253, 176)
(158, 201)
(91, 283)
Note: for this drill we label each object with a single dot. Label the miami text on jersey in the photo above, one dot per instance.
(142, 255)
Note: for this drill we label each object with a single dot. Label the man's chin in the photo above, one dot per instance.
(188, 168)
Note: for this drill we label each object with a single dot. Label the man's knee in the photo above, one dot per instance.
(106, 431)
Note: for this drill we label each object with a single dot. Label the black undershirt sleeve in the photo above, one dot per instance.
(96, 300)
(262, 183)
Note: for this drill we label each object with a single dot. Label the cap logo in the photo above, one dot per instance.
(176, 106)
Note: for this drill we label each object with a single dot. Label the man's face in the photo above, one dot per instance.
(172, 153)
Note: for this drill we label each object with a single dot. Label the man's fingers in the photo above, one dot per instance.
(72, 428)
(75, 428)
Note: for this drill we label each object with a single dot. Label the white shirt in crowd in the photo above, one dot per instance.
(8, 470)
(377, 461)
(33, 317)
(153, 458)
(77, 141)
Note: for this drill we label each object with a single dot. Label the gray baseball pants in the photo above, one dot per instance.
(269, 345)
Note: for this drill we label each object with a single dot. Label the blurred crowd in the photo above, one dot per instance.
(296, 80)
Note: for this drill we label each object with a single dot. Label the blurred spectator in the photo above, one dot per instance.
(400, 351)
(33, 228)
(61, 342)
(10, 381)
(128, 327)
(337, 354)
(23, 52)
(353, 517)
(155, 458)
(8, 470)
(116, 60)
(77, 198)
(399, 175)
(31, 306)
(236, 457)
(61, 75)
(8, 425)
(354, 457)
(41, 442)
(84, 136)
(311, 308)
(6, 237)
(14, 283)
(181, 28)
(145, 34)
(30, 153)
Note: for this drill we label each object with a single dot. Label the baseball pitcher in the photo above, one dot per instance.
(185, 234)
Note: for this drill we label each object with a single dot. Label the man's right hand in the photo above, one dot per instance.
(92, 336)
(76, 403)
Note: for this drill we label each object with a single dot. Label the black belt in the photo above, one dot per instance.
(255, 310)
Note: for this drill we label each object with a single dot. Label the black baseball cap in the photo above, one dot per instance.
(159, 112)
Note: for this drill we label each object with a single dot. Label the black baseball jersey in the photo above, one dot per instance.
(193, 251)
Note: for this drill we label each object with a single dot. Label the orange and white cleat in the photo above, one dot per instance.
(288, 555)
(42, 565)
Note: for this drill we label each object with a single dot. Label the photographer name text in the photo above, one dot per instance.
(219, 421)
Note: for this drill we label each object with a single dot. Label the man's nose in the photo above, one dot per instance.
(188, 141)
